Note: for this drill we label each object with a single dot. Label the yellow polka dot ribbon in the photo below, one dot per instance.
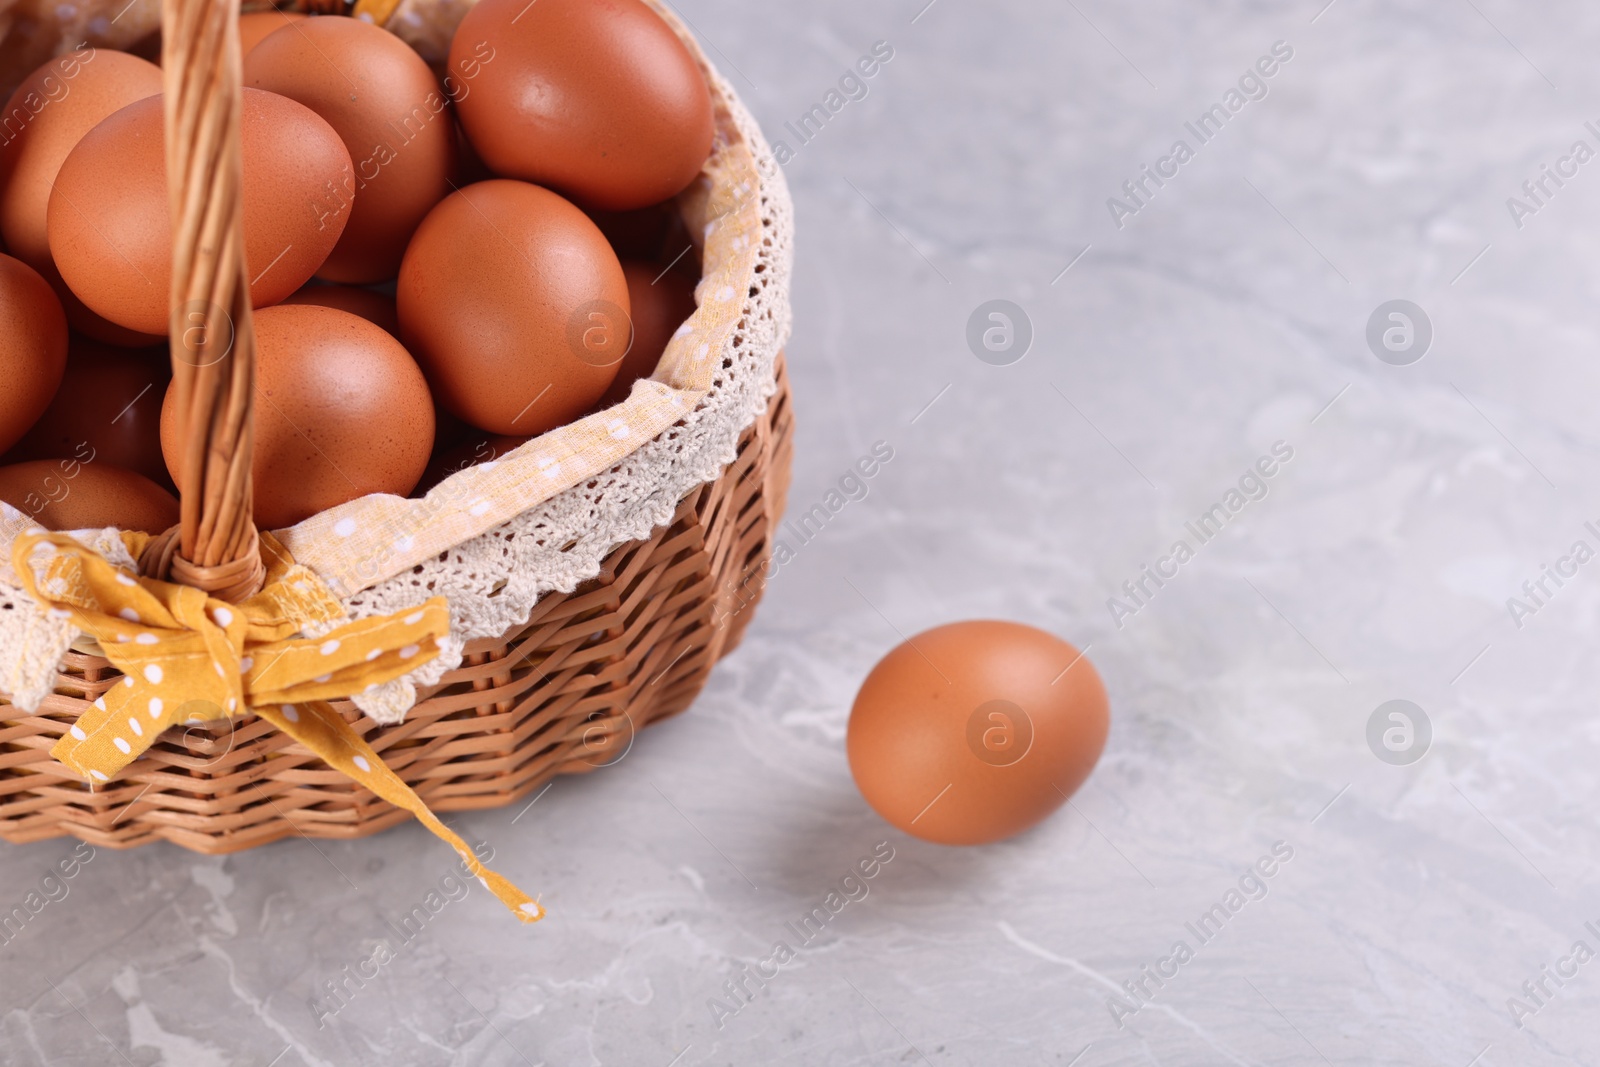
(186, 657)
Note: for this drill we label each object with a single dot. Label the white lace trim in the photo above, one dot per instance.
(493, 581)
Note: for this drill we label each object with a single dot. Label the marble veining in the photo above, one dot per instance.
(1419, 911)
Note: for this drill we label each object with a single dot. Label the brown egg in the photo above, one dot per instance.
(383, 100)
(109, 402)
(974, 731)
(515, 307)
(44, 120)
(660, 300)
(373, 306)
(95, 327)
(599, 100)
(109, 224)
(341, 411)
(33, 348)
(82, 493)
(479, 447)
(256, 26)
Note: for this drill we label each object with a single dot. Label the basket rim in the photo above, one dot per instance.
(745, 381)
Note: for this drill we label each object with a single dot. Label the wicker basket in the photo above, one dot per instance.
(562, 693)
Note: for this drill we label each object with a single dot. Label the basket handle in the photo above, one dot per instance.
(212, 336)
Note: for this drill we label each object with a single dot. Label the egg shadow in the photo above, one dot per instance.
(824, 839)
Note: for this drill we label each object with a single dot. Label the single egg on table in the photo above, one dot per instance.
(973, 732)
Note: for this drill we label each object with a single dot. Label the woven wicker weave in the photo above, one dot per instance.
(561, 695)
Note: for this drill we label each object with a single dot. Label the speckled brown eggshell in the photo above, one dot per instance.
(341, 411)
(973, 732)
(108, 406)
(659, 300)
(599, 100)
(373, 306)
(385, 103)
(95, 327)
(498, 296)
(46, 117)
(33, 348)
(69, 494)
(109, 223)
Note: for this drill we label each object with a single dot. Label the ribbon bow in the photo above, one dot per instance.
(186, 657)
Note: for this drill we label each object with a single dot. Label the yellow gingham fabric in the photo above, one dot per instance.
(187, 657)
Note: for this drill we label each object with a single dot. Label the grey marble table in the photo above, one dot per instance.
(1430, 910)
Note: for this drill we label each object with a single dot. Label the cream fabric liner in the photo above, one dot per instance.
(496, 537)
